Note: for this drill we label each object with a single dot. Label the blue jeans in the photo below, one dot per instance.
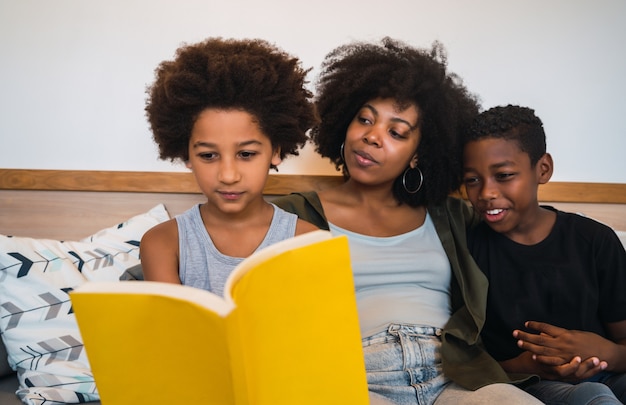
(603, 388)
(403, 364)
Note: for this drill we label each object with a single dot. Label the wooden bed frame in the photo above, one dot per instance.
(70, 204)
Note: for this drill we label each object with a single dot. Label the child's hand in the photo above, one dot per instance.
(555, 346)
(573, 371)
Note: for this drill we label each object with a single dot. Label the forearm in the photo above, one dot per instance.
(616, 357)
(523, 364)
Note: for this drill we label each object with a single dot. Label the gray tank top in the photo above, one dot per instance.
(201, 265)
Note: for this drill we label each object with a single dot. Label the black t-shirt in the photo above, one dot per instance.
(574, 279)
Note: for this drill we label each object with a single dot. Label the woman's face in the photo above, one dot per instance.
(381, 141)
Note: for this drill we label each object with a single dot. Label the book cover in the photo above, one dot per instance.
(286, 332)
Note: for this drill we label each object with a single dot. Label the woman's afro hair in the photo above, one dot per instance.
(354, 74)
(249, 75)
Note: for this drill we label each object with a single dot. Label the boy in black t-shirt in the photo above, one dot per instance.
(556, 303)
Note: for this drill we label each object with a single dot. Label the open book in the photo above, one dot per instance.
(286, 332)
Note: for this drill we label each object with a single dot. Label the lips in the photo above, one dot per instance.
(494, 214)
(230, 195)
(365, 159)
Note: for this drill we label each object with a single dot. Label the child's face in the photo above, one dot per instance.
(381, 141)
(501, 184)
(230, 158)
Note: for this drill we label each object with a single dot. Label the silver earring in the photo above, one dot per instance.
(419, 186)
(341, 152)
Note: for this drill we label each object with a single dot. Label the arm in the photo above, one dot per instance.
(159, 253)
(617, 333)
(554, 344)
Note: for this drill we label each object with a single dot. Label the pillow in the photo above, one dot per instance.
(37, 323)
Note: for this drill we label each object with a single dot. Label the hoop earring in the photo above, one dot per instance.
(341, 152)
(419, 185)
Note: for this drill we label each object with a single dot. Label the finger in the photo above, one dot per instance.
(540, 348)
(541, 339)
(568, 369)
(589, 368)
(544, 327)
(550, 360)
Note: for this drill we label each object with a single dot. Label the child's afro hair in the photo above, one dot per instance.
(250, 75)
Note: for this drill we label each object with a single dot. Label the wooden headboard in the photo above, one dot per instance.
(72, 204)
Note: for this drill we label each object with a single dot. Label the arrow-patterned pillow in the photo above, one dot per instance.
(36, 318)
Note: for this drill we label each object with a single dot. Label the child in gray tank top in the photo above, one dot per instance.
(230, 110)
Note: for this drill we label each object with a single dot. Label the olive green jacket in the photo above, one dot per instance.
(464, 359)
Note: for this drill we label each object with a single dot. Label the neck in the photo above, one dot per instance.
(377, 195)
(535, 230)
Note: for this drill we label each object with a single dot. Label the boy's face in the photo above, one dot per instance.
(230, 158)
(502, 185)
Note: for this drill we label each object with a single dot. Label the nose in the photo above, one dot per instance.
(488, 190)
(373, 136)
(228, 171)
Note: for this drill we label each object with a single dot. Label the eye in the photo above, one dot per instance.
(470, 181)
(247, 154)
(363, 120)
(207, 155)
(504, 176)
(398, 133)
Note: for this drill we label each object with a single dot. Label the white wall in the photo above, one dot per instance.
(73, 73)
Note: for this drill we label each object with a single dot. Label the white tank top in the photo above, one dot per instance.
(400, 279)
(201, 265)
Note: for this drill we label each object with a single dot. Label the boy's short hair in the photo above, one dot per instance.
(514, 123)
(251, 75)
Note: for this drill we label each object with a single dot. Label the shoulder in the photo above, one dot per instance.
(297, 199)
(585, 229)
(299, 225)
(159, 252)
(162, 233)
(190, 213)
(456, 210)
(159, 244)
(580, 224)
(306, 205)
(303, 226)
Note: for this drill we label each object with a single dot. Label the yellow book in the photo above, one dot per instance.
(286, 332)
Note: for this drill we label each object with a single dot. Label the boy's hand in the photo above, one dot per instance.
(554, 345)
(572, 371)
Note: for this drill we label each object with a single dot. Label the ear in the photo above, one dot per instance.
(276, 160)
(413, 162)
(187, 164)
(544, 168)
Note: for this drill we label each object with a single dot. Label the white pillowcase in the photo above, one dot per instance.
(37, 323)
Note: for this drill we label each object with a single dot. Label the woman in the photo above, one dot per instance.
(390, 115)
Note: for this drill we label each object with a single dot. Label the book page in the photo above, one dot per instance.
(149, 343)
(298, 327)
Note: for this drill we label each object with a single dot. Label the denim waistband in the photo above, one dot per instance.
(396, 329)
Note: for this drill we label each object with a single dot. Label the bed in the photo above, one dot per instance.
(96, 213)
